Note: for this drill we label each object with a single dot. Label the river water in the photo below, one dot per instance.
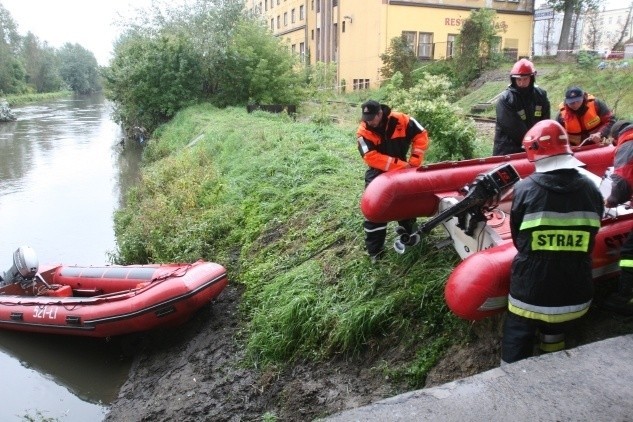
(63, 171)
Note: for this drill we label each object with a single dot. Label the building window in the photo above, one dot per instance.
(312, 5)
(409, 36)
(301, 12)
(358, 84)
(278, 21)
(450, 45)
(292, 16)
(425, 45)
(334, 3)
(312, 34)
(277, 2)
(293, 48)
(285, 18)
(511, 48)
(343, 27)
(272, 24)
(302, 51)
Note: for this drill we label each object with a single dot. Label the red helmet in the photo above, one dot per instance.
(523, 67)
(545, 139)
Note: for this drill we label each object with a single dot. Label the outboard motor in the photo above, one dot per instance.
(25, 267)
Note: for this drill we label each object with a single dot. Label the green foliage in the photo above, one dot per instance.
(444, 68)
(452, 138)
(151, 78)
(12, 74)
(399, 57)
(257, 68)
(477, 45)
(276, 202)
(231, 59)
(587, 60)
(321, 80)
(79, 69)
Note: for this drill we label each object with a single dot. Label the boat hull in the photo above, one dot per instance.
(478, 287)
(412, 193)
(111, 300)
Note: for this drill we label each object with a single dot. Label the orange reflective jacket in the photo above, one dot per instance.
(580, 126)
(386, 148)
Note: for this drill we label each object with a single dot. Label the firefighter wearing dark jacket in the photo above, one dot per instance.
(584, 117)
(555, 215)
(384, 140)
(621, 301)
(520, 107)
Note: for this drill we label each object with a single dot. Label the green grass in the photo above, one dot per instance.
(277, 202)
(19, 100)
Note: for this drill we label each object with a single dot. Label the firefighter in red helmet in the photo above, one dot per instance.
(520, 107)
(555, 216)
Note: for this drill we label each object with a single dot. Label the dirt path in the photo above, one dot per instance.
(194, 373)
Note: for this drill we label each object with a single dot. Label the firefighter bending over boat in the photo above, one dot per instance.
(384, 139)
(584, 117)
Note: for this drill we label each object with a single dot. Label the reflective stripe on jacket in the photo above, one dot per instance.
(554, 219)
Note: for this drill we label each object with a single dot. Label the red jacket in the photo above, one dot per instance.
(622, 187)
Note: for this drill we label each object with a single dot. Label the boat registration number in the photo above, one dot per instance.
(44, 312)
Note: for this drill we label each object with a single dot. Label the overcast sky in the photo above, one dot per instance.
(90, 23)
(85, 22)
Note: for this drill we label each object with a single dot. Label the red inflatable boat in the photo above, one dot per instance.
(104, 301)
(478, 226)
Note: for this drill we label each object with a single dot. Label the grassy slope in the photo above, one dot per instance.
(612, 85)
(276, 202)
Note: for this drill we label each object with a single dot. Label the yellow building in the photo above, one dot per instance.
(354, 33)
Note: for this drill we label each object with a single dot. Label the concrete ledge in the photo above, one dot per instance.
(593, 382)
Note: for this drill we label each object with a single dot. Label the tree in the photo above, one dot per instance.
(399, 57)
(41, 65)
(152, 77)
(79, 69)
(9, 35)
(12, 75)
(593, 29)
(477, 45)
(570, 8)
(622, 31)
(237, 57)
(257, 67)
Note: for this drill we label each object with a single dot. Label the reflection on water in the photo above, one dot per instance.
(63, 172)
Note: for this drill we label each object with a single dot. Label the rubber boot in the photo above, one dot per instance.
(552, 342)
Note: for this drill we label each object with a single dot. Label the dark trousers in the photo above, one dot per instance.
(375, 234)
(520, 334)
(625, 285)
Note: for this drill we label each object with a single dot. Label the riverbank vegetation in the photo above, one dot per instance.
(275, 197)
